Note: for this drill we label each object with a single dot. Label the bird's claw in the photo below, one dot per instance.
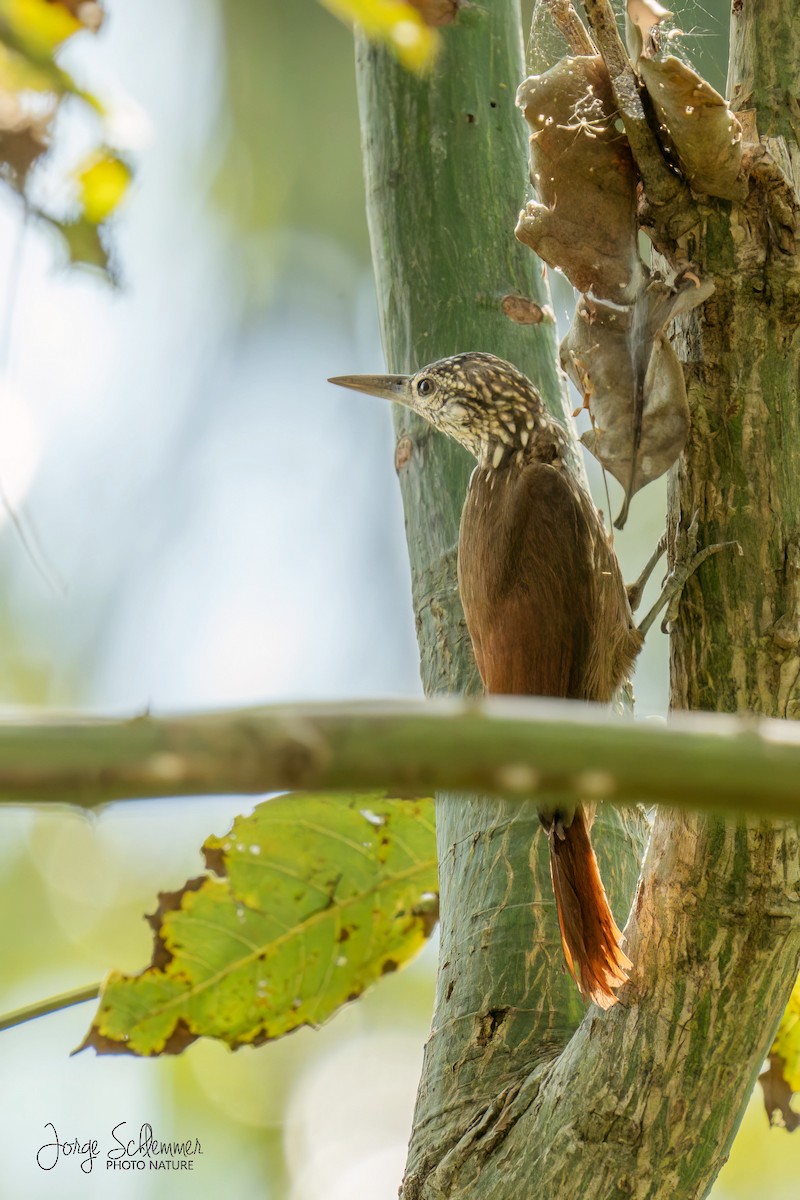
(636, 590)
(687, 560)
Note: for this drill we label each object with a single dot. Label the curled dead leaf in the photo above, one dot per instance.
(697, 122)
(585, 179)
(621, 360)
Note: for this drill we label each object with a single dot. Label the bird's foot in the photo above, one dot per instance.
(635, 590)
(687, 559)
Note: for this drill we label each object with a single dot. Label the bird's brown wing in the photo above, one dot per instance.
(526, 580)
(539, 586)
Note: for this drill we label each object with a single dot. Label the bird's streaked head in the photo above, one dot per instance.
(481, 401)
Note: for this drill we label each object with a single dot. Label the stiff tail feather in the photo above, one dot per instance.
(589, 935)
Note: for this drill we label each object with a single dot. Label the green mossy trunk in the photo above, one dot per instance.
(642, 1101)
(446, 174)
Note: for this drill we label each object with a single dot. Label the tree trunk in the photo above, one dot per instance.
(642, 1101)
(446, 174)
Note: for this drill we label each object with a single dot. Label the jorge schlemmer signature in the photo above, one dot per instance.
(139, 1153)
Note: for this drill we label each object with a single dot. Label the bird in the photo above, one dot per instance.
(543, 595)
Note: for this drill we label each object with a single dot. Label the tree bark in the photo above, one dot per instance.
(644, 1100)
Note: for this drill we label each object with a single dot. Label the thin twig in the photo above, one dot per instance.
(570, 26)
(53, 1004)
(636, 590)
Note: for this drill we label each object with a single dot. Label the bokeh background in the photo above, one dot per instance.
(206, 522)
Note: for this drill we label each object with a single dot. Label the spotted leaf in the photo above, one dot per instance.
(304, 905)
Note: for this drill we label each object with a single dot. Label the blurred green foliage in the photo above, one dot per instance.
(33, 89)
(290, 151)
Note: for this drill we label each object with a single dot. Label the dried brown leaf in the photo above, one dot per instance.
(20, 148)
(622, 361)
(699, 125)
(24, 138)
(583, 171)
(778, 1095)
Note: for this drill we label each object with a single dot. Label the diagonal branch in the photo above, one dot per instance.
(570, 26)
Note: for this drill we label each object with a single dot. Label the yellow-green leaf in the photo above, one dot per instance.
(31, 34)
(42, 24)
(305, 904)
(780, 1082)
(393, 21)
(103, 180)
(787, 1040)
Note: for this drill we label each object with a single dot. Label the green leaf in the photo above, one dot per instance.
(787, 1040)
(305, 904)
(781, 1081)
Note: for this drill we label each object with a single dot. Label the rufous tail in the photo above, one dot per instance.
(589, 935)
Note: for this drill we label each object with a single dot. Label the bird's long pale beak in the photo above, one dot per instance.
(388, 387)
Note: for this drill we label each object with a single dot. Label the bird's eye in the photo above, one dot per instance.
(424, 387)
